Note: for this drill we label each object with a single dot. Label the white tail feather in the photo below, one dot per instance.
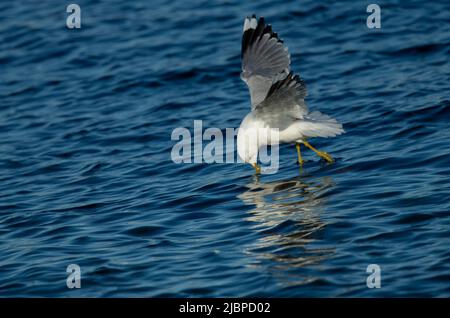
(317, 124)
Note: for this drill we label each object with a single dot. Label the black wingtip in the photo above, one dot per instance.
(288, 81)
(251, 35)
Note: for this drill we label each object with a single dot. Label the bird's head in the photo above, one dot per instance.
(247, 145)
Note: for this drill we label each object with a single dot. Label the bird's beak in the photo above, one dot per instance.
(256, 167)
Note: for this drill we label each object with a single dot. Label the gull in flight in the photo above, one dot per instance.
(277, 98)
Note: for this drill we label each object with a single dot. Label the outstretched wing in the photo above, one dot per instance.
(284, 102)
(265, 60)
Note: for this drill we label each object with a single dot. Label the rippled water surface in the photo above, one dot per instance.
(86, 176)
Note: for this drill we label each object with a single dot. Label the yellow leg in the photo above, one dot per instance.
(321, 154)
(257, 168)
(299, 153)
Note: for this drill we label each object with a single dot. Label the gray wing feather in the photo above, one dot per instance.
(284, 103)
(265, 60)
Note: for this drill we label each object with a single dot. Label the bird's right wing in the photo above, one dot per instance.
(265, 60)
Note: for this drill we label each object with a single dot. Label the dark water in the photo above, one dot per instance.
(87, 178)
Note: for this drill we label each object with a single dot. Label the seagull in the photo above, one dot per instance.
(277, 98)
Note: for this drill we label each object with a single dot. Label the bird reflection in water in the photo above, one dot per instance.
(287, 216)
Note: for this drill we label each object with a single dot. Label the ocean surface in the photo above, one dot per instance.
(86, 175)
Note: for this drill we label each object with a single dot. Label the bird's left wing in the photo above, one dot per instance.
(284, 102)
(265, 60)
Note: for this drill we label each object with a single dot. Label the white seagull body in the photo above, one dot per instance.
(277, 97)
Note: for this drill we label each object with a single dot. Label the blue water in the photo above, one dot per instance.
(86, 175)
